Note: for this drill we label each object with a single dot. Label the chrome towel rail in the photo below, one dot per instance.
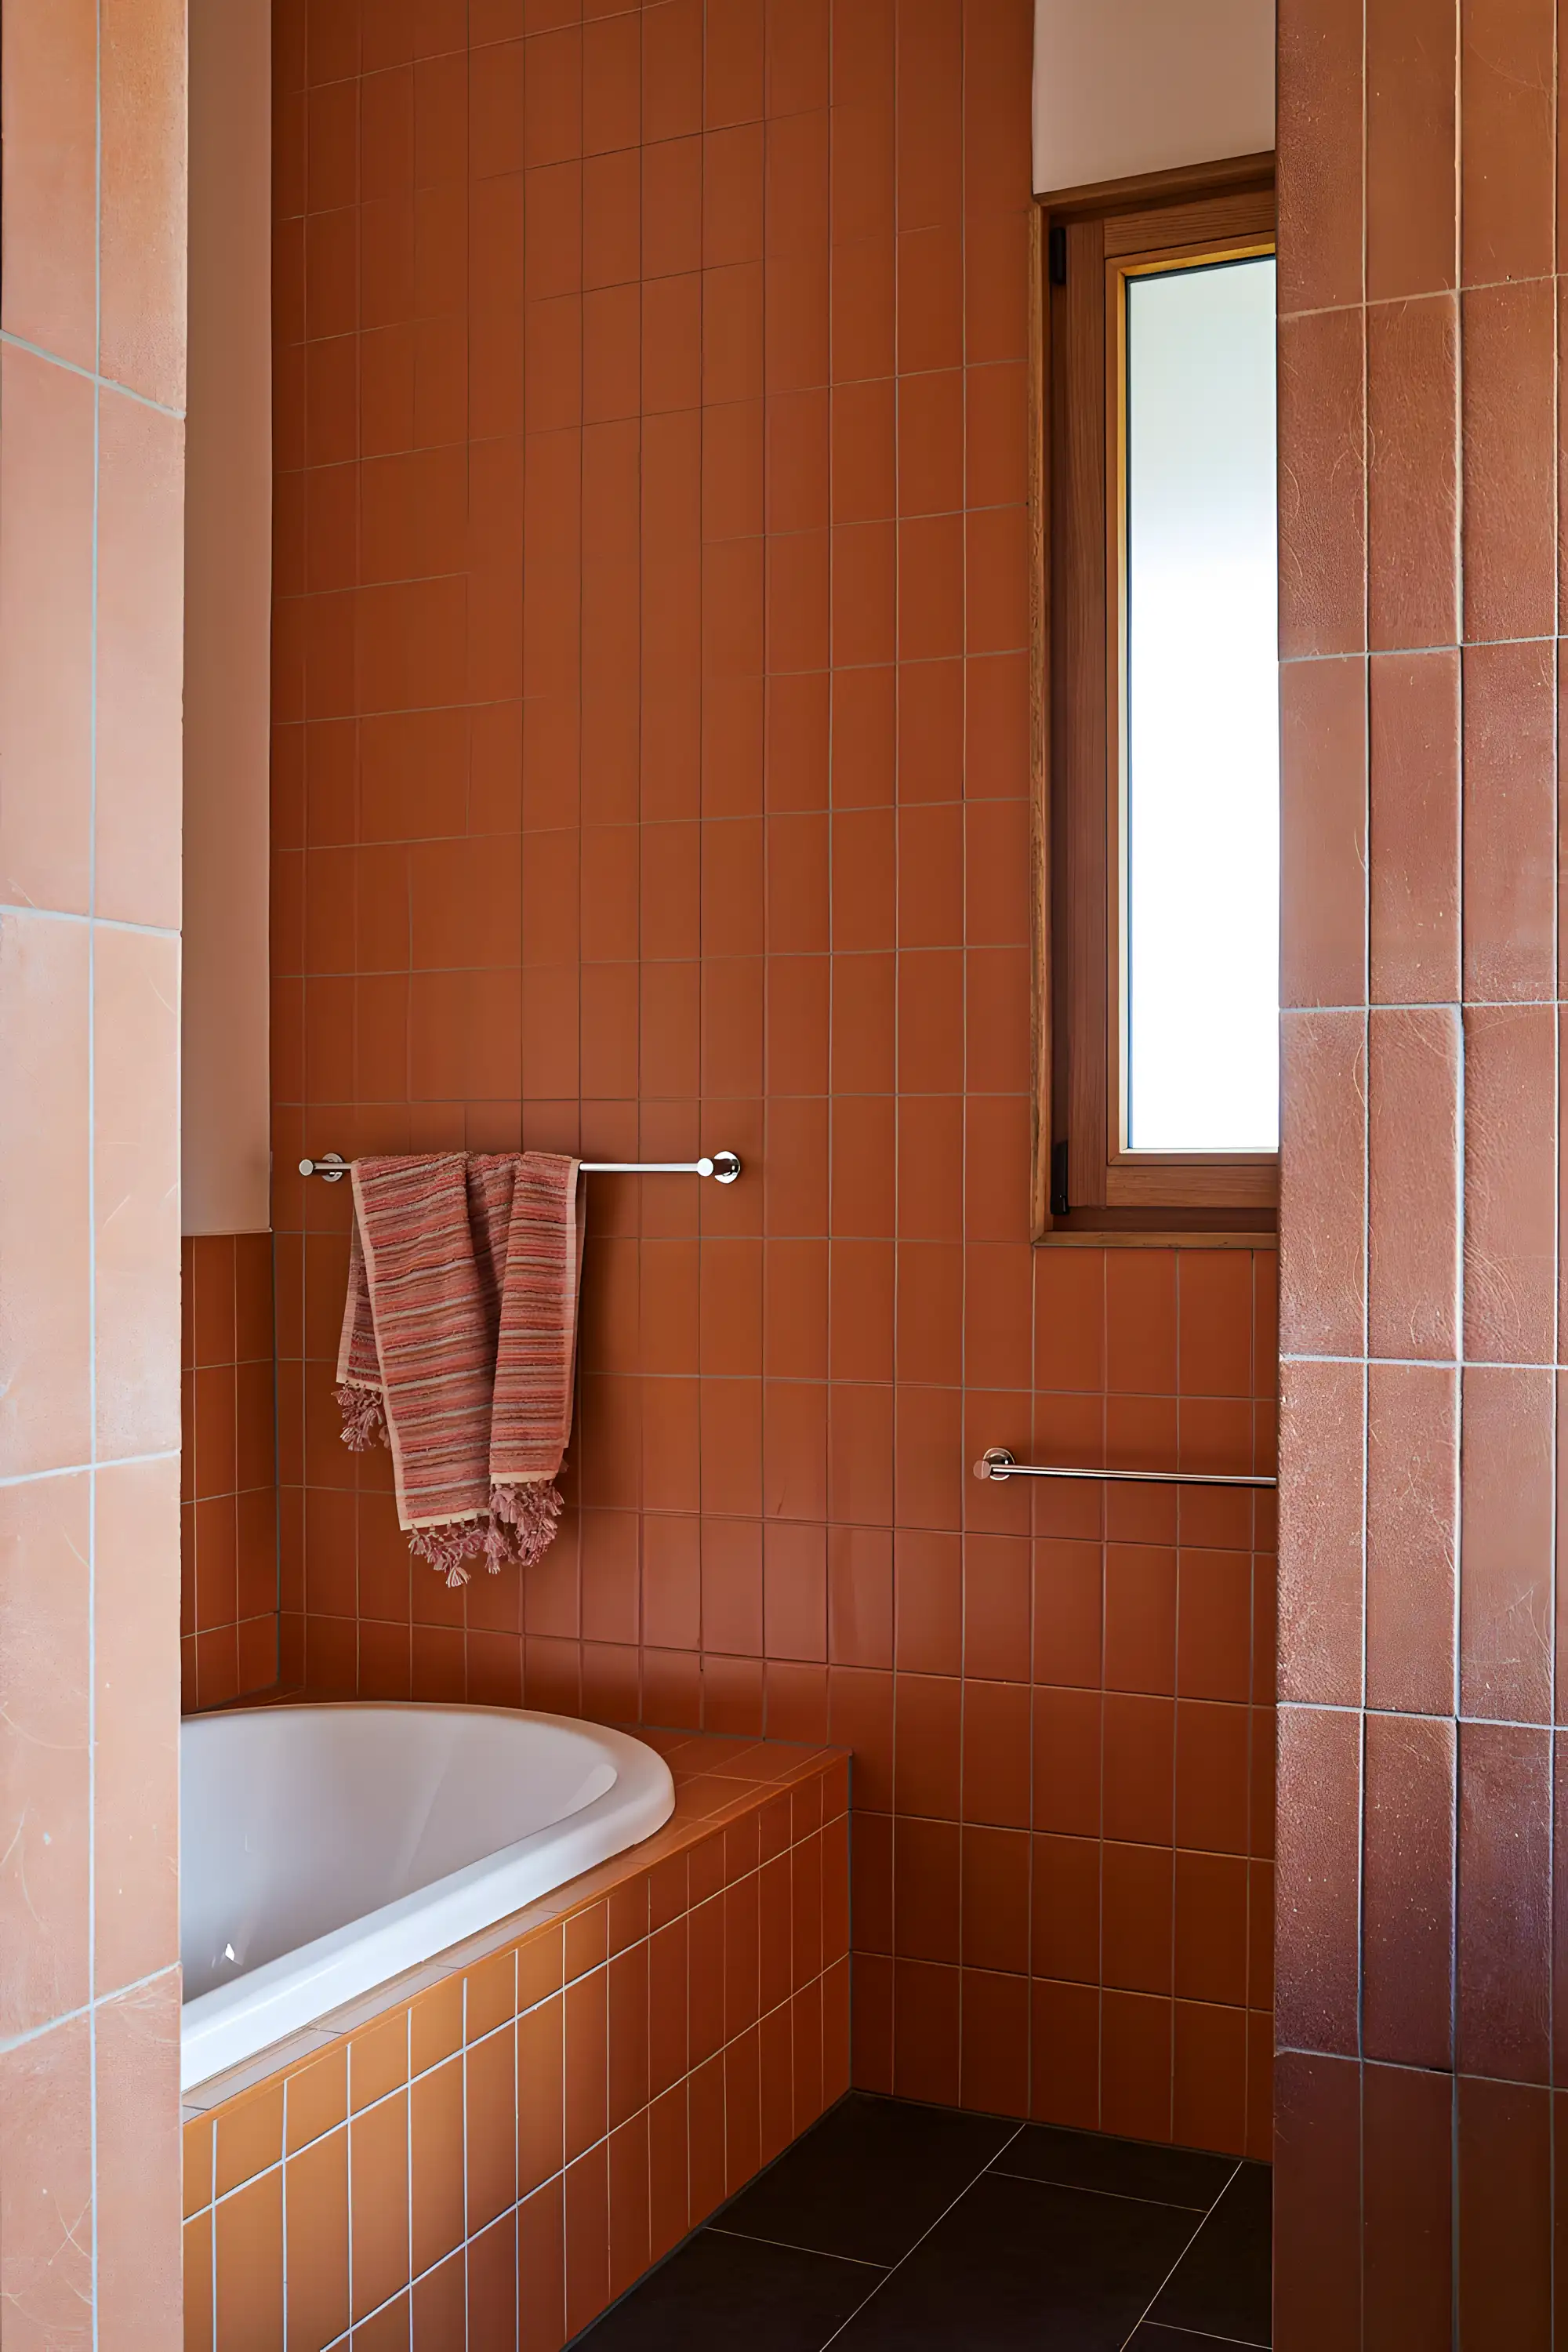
(998, 1463)
(724, 1167)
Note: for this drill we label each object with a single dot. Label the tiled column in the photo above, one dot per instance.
(92, 492)
(1419, 586)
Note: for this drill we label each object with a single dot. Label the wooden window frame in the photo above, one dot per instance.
(1087, 1186)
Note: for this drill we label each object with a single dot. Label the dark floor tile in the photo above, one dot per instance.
(1150, 2338)
(719, 2293)
(1020, 2263)
(1223, 2283)
(870, 2178)
(1121, 2167)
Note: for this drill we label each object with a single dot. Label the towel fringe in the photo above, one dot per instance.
(531, 1513)
(449, 1549)
(497, 1550)
(364, 1417)
(520, 1527)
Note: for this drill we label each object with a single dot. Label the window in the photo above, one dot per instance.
(1158, 739)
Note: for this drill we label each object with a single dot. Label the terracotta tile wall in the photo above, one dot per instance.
(1420, 1989)
(91, 487)
(513, 2145)
(651, 774)
(228, 1500)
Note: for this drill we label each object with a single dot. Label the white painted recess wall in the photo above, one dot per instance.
(1123, 87)
(224, 1110)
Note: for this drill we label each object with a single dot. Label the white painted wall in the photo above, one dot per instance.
(229, 588)
(1128, 85)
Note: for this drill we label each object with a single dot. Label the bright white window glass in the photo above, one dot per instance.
(1201, 711)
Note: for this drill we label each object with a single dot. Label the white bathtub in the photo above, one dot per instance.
(324, 1849)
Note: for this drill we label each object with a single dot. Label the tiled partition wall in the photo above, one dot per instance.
(228, 1498)
(489, 2152)
(1420, 1999)
(652, 775)
(91, 485)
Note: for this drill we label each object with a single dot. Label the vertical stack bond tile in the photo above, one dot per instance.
(91, 487)
(1417, 1666)
(652, 775)
(229, 1510)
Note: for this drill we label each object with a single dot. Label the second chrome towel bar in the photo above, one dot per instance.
(998, 1463)
(724, 1167)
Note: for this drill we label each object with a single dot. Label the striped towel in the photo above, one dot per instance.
(458, 1336)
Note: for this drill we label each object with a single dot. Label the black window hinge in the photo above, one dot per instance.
(1059, 1205)
(1059, 255)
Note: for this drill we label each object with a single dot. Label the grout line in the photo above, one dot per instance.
(309, 2059)
(1205, 2336)
(804, 1379)
(1364, 301)
(1407, 1715)
(463, 2090)
(1177, 2265)
(83, 918)
(1363, 653)
(283, 2202)
(894, 2268)
(276, 1460)
(1554, 2011)
(801, 531)
(345, 2034)
(1403, 1363)
(1461, 1002)
(1116, 2196)
(789, 2246)
(81, 1469)
(92, 1397)
(10, 2041)
(89, 375)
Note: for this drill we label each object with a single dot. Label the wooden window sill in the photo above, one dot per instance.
(1129, 1229)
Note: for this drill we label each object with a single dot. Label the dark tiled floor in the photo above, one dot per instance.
(893, 2228)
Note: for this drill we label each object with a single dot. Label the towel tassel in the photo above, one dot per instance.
(531, 1511)
(449, 1549)
(520, 1527)
(364, 1417)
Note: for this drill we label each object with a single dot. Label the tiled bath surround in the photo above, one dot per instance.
(506, 2138)
(651, 774)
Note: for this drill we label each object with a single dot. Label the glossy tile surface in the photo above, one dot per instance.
(1223, 2283)
(957, 2230)
(721, 2290)
(513, 2133)
(1018, 2258)
(651, 772)
(871, 2180)
(1114, 2168)
(1152, 2338)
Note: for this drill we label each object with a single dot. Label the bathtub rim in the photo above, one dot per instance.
(353, 1960)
